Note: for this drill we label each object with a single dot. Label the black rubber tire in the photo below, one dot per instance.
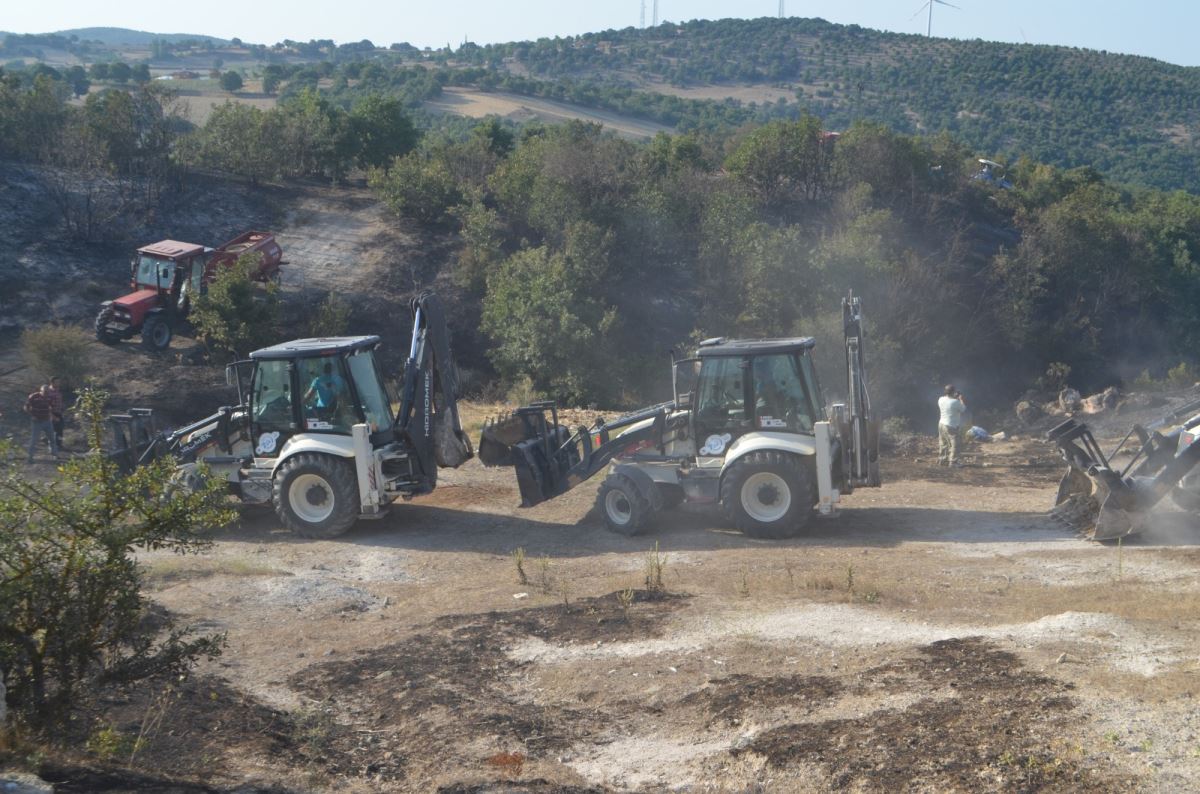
(1186, 499)
(669, 494)
(156, 333)
(793, 473)
(340, 483)
(102, 320)
(618, 491)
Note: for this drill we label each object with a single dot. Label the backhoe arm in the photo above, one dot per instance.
(428, 416)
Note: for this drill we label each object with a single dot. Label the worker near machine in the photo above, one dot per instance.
(41, 415)
(56, 409)
(951, 407)
(328, 387)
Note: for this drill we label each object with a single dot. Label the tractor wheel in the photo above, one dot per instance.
(156, 333)
(768, 495)
(316, 496)
(623, 506)
(102, 333)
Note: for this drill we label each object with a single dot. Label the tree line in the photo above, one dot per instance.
(575, 247)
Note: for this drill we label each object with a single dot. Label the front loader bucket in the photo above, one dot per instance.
(1092, 499)
(533, 442)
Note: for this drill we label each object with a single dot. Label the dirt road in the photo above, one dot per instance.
(940, 635)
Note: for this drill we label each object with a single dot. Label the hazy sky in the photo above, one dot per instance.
(1164, 29)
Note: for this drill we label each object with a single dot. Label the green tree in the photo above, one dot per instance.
(783, 161)
(234, 140)
(140, 73)
(231, 81)
(73, 617)
(549, 325)
(381, 131)
(417, 186)
(119, 72)
(236, 315)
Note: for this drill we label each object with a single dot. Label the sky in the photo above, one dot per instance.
(1163, 29)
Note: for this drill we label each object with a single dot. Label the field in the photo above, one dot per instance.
(942, 634)
(518, 108)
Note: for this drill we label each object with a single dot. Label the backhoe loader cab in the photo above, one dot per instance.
(747, 431)
(314, 433)
(317, 386)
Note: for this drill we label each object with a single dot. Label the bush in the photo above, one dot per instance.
(332, 317)
(235, 316)
(1183, 375)
(57, 350)
(72, 614)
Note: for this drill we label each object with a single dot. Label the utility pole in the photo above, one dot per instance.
(655, 13)
(782, 13)
(643, 22)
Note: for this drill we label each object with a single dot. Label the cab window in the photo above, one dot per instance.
(326, 398)
(721, 397)
(272, 392)
(781, 400)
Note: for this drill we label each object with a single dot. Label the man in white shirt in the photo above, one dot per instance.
(950, 409)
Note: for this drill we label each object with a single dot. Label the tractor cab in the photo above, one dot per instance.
(735, 387)
(315, 386)
(170, 269)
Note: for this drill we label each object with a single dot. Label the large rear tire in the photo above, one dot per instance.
(623, 506)
(316, 495)
(156, 333)
(768, 495)
(102, 320)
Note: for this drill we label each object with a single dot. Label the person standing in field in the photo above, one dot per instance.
(56, 409)
(41, 416)
(951, 407)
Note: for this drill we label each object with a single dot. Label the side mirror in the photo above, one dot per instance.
(684, 401)
(230, 378)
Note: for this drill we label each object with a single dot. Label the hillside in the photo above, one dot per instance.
(115, 37)
(1132, 118)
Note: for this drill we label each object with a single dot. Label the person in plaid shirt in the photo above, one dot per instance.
(41, 414)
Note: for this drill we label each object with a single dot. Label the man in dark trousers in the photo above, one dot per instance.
(41, 415)
(56, 409)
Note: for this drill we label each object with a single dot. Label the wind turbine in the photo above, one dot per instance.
(929, 5)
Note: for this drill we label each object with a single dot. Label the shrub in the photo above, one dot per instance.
(60, 350)
(235, 316)
(332, 317)
(1183, 375)
(72, 614)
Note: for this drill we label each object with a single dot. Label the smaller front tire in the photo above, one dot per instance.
(316, 496)
(156, 333)
(623, 506)
(102, 320)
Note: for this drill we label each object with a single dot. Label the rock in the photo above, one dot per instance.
(1027, 412)
(1069, 400)
(1104, 401)
(1062, 657)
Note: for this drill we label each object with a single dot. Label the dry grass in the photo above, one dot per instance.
(175, 569)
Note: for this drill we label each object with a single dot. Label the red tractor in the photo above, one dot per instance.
(167, 275)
